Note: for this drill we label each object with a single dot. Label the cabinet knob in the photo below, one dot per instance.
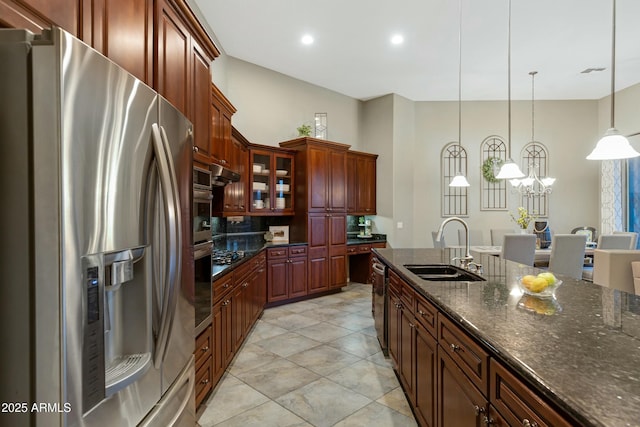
(245, 284)
(488, 421)
(195, 149)
(205, 381)
(226, 285)
(226, 302)
(411, 325)
(205, 349)
(421, 313)
(527, 423)
(454, 347)
(479, 409)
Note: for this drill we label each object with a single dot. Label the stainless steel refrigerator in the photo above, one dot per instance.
(96, 295)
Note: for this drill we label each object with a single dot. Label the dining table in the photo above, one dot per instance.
(542, 255)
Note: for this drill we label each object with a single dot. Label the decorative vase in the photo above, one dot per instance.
(523, 231)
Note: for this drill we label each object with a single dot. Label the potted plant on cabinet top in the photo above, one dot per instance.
(304, 130)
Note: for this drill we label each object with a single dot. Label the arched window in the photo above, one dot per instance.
(454, 199)
(493, 153)
(535, 155)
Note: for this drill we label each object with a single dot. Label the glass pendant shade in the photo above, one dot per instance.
(510, 170)
(459, 181)
(613, 146)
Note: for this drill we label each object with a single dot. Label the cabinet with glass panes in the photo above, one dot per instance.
(271, 182)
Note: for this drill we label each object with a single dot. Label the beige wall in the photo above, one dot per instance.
(271, 105)
(565, 127)
(409, 137)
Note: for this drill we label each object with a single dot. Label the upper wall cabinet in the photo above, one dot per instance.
(36, 15)
(326, 182)
(222, 147)
(361, 183)
(182, 72)
(122, 30)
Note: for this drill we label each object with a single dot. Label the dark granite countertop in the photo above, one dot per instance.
(585, 357)
(353, 239)
(250, 243)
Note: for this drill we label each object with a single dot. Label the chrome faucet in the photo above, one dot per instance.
(467, 258)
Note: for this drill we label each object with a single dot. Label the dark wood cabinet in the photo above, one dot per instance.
(361, 183)
(36, 15)
(425, 374)
(221, 147)
(272, 181)
(327, 237)
(122, 30)
(323, 170)
(413, 349)
(328, 182)
(222, 330)
(517, 404)
(286, 273)
(450, 380)
(359, 259)
(460, 403)
(203, 355)
(232, 199)
(173, 56)
(182, 70)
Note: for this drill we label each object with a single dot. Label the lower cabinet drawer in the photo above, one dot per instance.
(203, 347)
(471, 358)
(517, 404)
(204, 381)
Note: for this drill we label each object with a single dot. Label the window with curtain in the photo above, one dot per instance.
(633, 190)
(535, 155)
(454, 199)
(493, 196)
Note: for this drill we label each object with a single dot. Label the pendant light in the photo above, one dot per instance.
(509, 169)
(613, 145)
(532, 185)
(459, 180)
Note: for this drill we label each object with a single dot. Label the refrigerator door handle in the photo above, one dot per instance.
(168, 185)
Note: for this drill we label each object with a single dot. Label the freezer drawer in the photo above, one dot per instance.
(177, 408)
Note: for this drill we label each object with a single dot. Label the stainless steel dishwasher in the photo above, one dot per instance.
(380, 304)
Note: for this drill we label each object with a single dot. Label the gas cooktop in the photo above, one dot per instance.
(226, 257)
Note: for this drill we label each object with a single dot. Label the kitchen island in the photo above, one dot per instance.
(581, 353)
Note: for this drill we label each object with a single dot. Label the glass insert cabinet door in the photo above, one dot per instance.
(271, 182)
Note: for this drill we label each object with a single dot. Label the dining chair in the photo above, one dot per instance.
(634, 237)
(590, 232)
(436, 244)
(519, 248)
(497, 235)
(617, 240)
(475, 236)
(567, 254)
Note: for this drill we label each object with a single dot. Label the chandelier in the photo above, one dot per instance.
(531, 185)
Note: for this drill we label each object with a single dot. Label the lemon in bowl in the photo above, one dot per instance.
(542, 285)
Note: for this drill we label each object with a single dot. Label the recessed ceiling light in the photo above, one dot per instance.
(307, 39)
(397, 39)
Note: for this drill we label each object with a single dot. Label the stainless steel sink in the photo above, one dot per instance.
(443, 272)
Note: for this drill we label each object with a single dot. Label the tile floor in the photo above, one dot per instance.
(311, 363)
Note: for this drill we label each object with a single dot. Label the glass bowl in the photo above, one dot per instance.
(535, 287)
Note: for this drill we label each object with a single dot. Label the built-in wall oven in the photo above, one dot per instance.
(202, 263)
(380, 303)
(202, 246)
